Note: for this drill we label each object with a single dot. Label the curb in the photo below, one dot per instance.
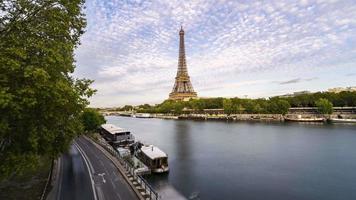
(47, 182)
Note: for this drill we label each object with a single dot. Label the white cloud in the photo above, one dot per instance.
(131, 49)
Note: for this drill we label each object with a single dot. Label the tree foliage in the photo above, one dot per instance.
(278, 106)
(228, 106)
(126, 108)
(92, 119)
(345, 98)
(40, 103)
(324, 106)
(274, 105)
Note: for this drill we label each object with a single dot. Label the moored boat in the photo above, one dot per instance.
(143, 115)
(338, 120)
(145, 158)
(116, 136)
(154, 158)
(300, 119)
(305, 119)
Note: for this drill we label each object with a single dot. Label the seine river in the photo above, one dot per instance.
(241, 160)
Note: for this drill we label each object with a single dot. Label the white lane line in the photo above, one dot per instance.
(100, 193)
(90, 168)
(85, 156)
(88, 148)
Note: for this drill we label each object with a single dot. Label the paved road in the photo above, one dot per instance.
(83, 163)
(74, 179)
(109, 182)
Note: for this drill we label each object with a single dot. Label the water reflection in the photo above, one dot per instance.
(183, 140)
(183, 164)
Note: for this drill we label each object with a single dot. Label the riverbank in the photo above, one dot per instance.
(235, 117)
(269, 117)
(248, 117)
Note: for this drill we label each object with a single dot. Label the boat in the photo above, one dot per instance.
(341, 120)
(142, 115)
(124, 114)
(300, 119)
(116, 136)
(123, 152)
(145, 158)
(304, 119)
(154, 158)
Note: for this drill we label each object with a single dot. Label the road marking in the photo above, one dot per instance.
(88, 148)
(85, 155)
(90, 168)
(102, 176)
(100, 193)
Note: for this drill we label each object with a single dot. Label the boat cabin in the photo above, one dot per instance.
(154, 158)
(116, 135)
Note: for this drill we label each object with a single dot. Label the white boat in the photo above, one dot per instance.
(154, 158)
(142, 115)
(304, 119)
(116, 136)
(340, 120)
(299, 118)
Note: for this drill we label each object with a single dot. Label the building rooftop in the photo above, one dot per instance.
(341, 89)
(111, 128)
(153, 152)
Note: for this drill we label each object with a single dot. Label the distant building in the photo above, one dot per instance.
(301, 92)
(341, 89)
(295, 94)
(182, 89)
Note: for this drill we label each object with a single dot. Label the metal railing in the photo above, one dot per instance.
(151, 193)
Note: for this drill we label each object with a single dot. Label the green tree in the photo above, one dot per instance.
(91, 119)
(178, 107)
(144, 106)
(278, 106)
(40, 103)
(324, 106)
(197, 104)
(249, 106)
(127, 108)
(166, 107)
(239, 108)
(257, 108)
(228, 106)
(283, 106)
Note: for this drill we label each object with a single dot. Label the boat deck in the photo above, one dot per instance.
(140, 168)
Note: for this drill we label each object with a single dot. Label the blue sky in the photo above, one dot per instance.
(234, 48)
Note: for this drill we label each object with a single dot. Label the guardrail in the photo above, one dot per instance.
(147, 189)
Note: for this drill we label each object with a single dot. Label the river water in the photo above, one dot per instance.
(241, 160)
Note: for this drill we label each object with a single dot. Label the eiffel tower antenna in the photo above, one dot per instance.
(182, 89)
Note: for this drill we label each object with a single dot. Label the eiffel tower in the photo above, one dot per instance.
(182, 89)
